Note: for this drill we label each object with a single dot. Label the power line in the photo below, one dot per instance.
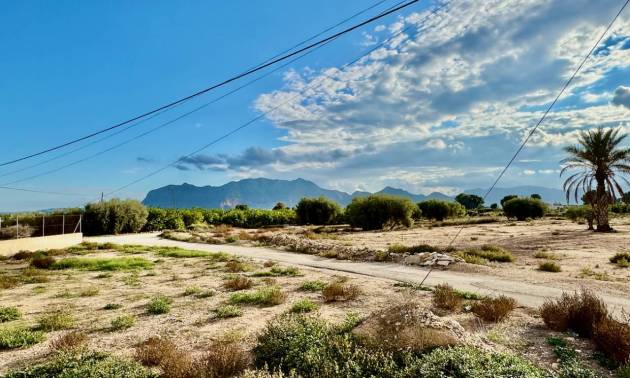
(42, 191)
(542, 119)
(167, 123)
(229, 93)
(215, 86)
(262, 115)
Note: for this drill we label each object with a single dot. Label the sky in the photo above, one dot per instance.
(432, 100)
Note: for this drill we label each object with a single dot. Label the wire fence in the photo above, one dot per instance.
(18, 227)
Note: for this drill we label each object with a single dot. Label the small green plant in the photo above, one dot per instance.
(269, 296)
(103, 264)
(549, 266)
(192, 290)
(486, 253)
(13, 337)
(132, 279)
(621, 259)
(205, 294)
(56, 320)
(313, 286)
(277, 271)
(570, 365)
(238, 283)
(160, 304)
(112, 306)
(303, 305)
(228, 311)
(123, 322)
(89, 292)
(413, 249)
(545, 255)
(8, 314)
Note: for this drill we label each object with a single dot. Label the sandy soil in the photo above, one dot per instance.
(191, 322)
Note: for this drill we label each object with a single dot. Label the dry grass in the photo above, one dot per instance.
(445, 298)
(70, 341)
(56, 320)
(340, 292)
(235, 266)
(549, 266)
(154, 350)
(494, 309)
(43, 262)
(578, 312)
(224, 358)
(238, 283)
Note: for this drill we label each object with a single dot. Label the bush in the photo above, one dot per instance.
(86, 365)
(524, 208)
(319, 211)
(70, 341)
(224, 358)
(440, 210)
(13, 232)
(8, 314)
(494, 309)
(412, 249)
(622, 259)
(613, 338)
(228, 311)
(469, 201)
(303, 305)
(123, 322)
(42, 262)
(378, 211)
(549, 266)
(340, 291)
(312, 286)
(153, 350)
(577, 213)
(164, 219)
(486, 253)
(578, 312)
(114, 217)
(18, 337)
(445, 298)
(160, 304)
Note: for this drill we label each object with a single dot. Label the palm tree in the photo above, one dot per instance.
(599, 160)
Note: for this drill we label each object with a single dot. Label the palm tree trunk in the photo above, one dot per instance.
(601, 208)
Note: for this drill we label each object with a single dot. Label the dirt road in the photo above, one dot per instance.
(527, 294)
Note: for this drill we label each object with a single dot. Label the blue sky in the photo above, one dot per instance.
(439, 107)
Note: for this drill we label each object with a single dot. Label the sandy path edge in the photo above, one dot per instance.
(527, 294)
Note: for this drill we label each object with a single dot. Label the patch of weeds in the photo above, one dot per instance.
(613, 338)
(205, 294)
(133, 279)
(494, 309)
(578, 312)
(69, 342)
(413, 286)
(104, 275)
(303, 306)
(312, 286)
(485, 254)
(587, 272)
(268, 296)
(623, 371)
(231, 239)
(546, 255)
(90, 364)
(277, 271)
(469, 295)
(340, 291)
(192, 290)
(160, 304)
(8, 282)
(228, 311)
(123, 322)
(236, 266)
(549, 266)
(187, 253)
(621, 259)
(66, 294)
(269, 264)
(42, 262)
(570, 365)
(112, 306)
(56, 320)
(445, 298)
(104, 264)
(14, 337)
(238, 283)
(9, 313)
(89, 292)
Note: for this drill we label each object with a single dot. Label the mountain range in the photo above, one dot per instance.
(264, 193)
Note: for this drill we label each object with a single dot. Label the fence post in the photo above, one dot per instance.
(63, 224)
(81, 223)
(43, 225)
(17, 226)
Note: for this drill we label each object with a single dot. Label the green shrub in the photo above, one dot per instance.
(123, 322)
(269, 296)
(312, 286)
(622, 259)
(377, 211)
(507, 198)
(164, 219)
(469, 201)
(304, 305)
(549, 266)
(577, 213)
(56, 320)
(8, 314)
(12, 337)
(228, 311)
(440, 210)
(85, 365)
(114, 217)
(317, 211)
(524, 208)
(160, 304)
(412, 249)
(112, 306)
(486, 253)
